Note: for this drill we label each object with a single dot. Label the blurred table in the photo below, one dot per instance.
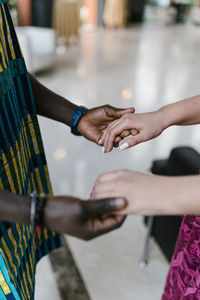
(115, 13)
(66, 19)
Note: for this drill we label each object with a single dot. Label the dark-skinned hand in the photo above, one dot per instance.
(83, 219)
(96, 120)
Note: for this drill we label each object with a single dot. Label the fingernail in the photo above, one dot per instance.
(103, 150)
(119, 202)
(124, 146)
(100, 142)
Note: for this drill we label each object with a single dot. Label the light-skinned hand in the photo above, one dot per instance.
(145, 194)
(96, 120)
(141, 127)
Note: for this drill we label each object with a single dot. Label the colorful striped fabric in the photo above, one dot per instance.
(22, 167)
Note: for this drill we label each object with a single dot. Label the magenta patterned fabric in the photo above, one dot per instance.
(183, 280)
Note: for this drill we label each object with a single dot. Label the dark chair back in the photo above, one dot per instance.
(182, 161)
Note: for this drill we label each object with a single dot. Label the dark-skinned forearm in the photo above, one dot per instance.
(14, 208)
(51, 105)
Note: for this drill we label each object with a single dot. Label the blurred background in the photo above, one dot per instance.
(59, 22)
(126, 53)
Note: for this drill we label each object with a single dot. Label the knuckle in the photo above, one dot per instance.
(118, 225)
(121, 177)
(109, 126)
(112, 138)
(119, 174)
(108, 106)
(113, 133)
(109, 130)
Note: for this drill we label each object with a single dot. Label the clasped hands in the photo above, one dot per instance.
(115, 194)
(141, 191)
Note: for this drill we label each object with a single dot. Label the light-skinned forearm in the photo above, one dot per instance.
(150, 194)
(185, 112)
(51, 105)
(176, 195)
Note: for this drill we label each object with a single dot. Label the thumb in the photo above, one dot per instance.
(118, 112)
(94, 208)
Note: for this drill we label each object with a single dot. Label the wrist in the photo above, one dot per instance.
(167, 117)
(172, 195)
(82, 124)
(68, 112)
(163, 199)
(50, 212)
(76, 119)
(186, 194)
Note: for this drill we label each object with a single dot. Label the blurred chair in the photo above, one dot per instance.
(66, 19)
(182, 161)
(38, 46)
(115, 13)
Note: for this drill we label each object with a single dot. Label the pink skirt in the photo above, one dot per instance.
(183, 280)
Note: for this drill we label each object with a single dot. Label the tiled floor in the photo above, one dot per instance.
(154, 66)
(45, 281)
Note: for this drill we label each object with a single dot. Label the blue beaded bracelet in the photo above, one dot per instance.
(77, 115)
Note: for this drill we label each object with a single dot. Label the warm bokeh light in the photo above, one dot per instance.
(60, 154)
(127, 94)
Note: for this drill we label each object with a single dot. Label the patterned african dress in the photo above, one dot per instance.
(183, 281)
(23, 167)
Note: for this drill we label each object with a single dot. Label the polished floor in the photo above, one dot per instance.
(145, 67)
